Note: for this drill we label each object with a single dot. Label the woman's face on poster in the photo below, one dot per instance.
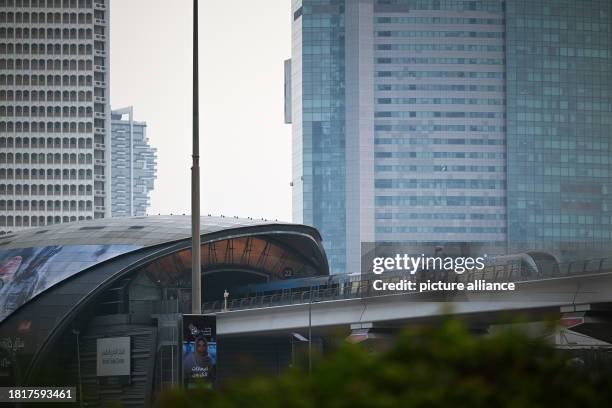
(201, 347)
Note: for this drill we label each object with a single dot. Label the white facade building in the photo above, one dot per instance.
(54, 112)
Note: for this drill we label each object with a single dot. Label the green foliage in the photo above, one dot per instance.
(443, 367)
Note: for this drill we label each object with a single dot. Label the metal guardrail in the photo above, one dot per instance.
(353, 287)
(280, 299)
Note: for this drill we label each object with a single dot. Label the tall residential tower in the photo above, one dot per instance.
(133, 165)
(54, 112)
(478, 121)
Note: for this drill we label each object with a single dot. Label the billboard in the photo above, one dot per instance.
(26, 272)
(199, 350)
(113, 356)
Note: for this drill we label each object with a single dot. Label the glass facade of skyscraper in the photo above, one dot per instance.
(439, 121)
(319, 177)
(476, 121)
(559, 127)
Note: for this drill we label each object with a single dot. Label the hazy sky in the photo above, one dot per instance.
(245, 147)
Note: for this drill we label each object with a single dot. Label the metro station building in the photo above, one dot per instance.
(63, 287)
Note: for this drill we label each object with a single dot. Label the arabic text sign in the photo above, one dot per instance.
(113, 356)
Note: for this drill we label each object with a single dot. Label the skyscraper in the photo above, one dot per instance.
(133, 164)
(54, 112)
(450, 121)
(559, 124)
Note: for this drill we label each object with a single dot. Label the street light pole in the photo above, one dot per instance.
(196, 277)
(76, 333)
(292, 351)
(310, 334)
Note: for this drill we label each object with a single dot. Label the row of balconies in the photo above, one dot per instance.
(35, 149)
(59, 87)
(53, 88)
(52, 122)
(65, 7)
(8, 200)
(63, 161)
(60, 40)
(46, 102)
(38, 143)
(41, 155)
(9, 204)
(24, 66)
(37, 223)
(21, 206)
(47, 181)
(35, 112)
(48, 192)
(87, 36)
(36, 53)
(36, 133)
(45, 61)
(47, 24)
(52, 62)
(43, 182)
(36, 118)
(32, 188)
(8, 229)
(10, 171)
(51, 210)
(37, 177)
(38, 211)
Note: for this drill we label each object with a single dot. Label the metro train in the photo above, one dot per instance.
(506, 268)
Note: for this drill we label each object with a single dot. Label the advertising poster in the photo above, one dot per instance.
(199, 350)
(26, 272)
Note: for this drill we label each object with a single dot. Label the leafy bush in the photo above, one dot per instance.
(443, 367)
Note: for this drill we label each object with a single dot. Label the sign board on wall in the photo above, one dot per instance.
(113, 356)
(199, 350)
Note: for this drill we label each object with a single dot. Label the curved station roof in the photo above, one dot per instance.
(49, 276)
(141, 231)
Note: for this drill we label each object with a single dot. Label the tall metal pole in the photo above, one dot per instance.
(196, 278)
(292, 351)
(310, 335)
(76, 333)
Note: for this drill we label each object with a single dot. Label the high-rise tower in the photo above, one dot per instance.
(133, 164)
(461, 121)
(54, 112)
